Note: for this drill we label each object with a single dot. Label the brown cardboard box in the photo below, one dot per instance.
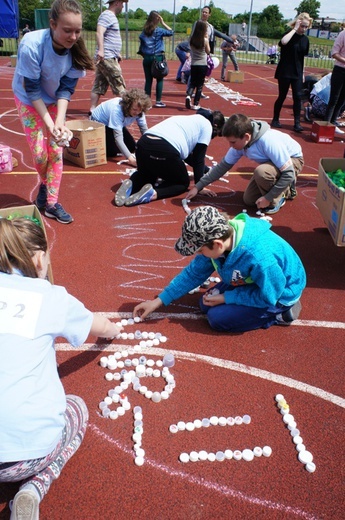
(331, 200)
(235, 76)
(28, 211)
(87, 147)
(322, 132)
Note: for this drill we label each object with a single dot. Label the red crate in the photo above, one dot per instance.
(322, 132)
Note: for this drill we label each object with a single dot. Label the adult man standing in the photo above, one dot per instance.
(108, 54)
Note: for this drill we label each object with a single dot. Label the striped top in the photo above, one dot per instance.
(112, 35)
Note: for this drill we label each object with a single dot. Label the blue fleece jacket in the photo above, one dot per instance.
(262, 270)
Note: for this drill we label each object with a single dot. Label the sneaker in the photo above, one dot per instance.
(141, 197)
(188, 102)
(123, 192)
(275, 123)
(297, 128)
(338, 131)
(275, 209)
(25, 506)
(160, 104)
(203, 96)
(292, 314)
(195, 107)
(56, 211)
(41, 199)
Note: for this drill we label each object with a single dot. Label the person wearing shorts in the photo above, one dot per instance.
(108, 54)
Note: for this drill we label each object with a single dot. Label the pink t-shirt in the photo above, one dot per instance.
(339, 48)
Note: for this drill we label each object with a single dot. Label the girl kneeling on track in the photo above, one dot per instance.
(161, 155)
(40, 427)
(262, 276)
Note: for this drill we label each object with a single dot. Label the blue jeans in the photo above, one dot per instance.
(182, 56)
(229, 317)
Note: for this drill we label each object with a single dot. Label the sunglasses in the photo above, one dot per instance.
(304, 26)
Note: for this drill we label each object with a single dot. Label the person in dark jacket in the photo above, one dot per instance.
(294, 47)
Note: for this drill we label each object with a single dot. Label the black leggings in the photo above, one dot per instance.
(112, 149)
(197, 80)
(283, 89)
(337, 95)
(158, 159)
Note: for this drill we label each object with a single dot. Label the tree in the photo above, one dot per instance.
(309, 6)
(27, 10)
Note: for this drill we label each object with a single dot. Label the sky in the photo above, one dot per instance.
(331, 8)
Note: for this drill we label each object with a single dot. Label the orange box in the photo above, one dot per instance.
(322, 132)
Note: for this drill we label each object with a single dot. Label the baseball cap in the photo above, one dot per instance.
(203, 224)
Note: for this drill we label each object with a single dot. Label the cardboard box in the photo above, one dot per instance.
(235, 76)
(28, 211)
(13, 60)
(87, 147)
(322, 132)
(331, 200)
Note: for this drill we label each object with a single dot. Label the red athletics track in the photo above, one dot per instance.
(111, 258)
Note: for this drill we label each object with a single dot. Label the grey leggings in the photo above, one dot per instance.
(42, 472)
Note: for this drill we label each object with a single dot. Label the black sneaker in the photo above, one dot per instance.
(188, 102)
(56, 211)
(275, 124)
(297, 128)
(41, 199)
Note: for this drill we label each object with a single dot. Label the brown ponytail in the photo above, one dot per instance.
(20, 238)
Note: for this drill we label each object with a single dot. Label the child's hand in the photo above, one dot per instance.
(211, 300)
(262, 203)
(208, 193)
(145, 308)
(192, 193)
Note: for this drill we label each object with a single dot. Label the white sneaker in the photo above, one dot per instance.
(338, 131)
(195, 107)
(25, 505)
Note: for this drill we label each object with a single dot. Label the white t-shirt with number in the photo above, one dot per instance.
(33, 313)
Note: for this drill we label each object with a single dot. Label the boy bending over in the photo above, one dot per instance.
(279, 156)
(262, 276)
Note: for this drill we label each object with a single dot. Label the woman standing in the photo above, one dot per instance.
(294, 47)
(337, 95)
(49, 63)
(151, 45)
(200, 48)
